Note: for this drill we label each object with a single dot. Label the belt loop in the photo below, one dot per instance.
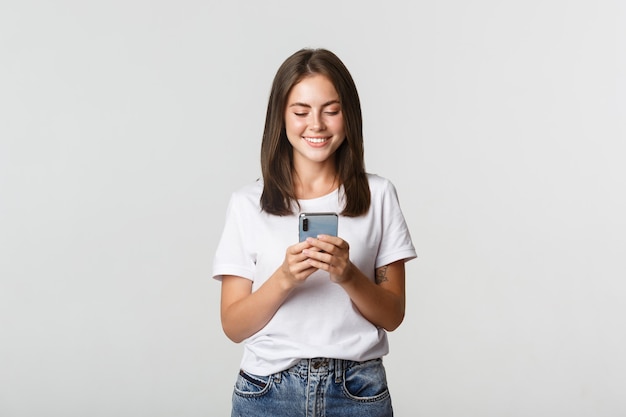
(277, 377)
(339, 363)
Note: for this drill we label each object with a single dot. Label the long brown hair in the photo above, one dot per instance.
(277, 153)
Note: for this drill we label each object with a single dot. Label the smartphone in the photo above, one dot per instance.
(313, 224)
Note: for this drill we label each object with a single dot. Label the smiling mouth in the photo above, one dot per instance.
(315, 140)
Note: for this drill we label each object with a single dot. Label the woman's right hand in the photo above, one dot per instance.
(296, 268)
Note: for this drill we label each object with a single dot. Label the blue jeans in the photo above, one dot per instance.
(315, 388)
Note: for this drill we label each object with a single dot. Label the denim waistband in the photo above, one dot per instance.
(322, 366)
(317, 367)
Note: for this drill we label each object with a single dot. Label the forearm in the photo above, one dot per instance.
(250, 313)
(377, 304)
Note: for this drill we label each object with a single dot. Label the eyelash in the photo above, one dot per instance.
(329, 113)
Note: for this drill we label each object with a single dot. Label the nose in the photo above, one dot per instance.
(317, 122)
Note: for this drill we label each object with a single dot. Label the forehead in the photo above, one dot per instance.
(312, 89)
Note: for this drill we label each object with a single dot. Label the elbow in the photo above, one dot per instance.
(396, 319)
(234, 337)
(394, 324)
(231, 332)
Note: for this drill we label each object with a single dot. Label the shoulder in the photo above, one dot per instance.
(248, 195)
(382, 191)
(379, 185)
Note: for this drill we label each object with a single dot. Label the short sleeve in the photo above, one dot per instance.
(234, 256)
(396, 243)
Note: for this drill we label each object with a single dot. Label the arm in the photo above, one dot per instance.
(244, 312)
(381, 302)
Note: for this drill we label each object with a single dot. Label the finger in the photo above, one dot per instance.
(305, 273)
(318, 264)
(321, 245)
(302, 269)
(298, 247)
(334, 240)
(318, 255)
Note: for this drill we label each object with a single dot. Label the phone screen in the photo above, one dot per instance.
(313, 224)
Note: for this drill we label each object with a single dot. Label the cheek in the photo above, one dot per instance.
(292, 125)
(338, 126)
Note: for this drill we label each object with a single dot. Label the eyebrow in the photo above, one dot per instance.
(328, 103)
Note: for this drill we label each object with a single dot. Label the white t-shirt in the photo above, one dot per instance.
(318, 318)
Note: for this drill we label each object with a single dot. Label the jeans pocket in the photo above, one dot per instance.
(249, 385)
(366, 381)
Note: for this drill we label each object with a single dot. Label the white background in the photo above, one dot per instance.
(125, 126)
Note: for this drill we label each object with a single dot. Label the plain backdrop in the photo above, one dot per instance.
(125, 126)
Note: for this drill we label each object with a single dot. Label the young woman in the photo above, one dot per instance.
(313, 315)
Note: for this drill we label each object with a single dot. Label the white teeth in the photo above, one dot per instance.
(316, 140)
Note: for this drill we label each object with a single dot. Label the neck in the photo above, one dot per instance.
(313, 183)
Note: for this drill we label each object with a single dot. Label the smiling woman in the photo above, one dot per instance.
(319, 308)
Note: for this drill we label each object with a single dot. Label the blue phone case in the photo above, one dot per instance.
(313, 224)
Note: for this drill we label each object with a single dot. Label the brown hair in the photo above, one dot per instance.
(277, 153)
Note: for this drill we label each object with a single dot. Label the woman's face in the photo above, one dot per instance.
(314, 120)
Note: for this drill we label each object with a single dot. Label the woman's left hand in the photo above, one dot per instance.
(332, 254)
